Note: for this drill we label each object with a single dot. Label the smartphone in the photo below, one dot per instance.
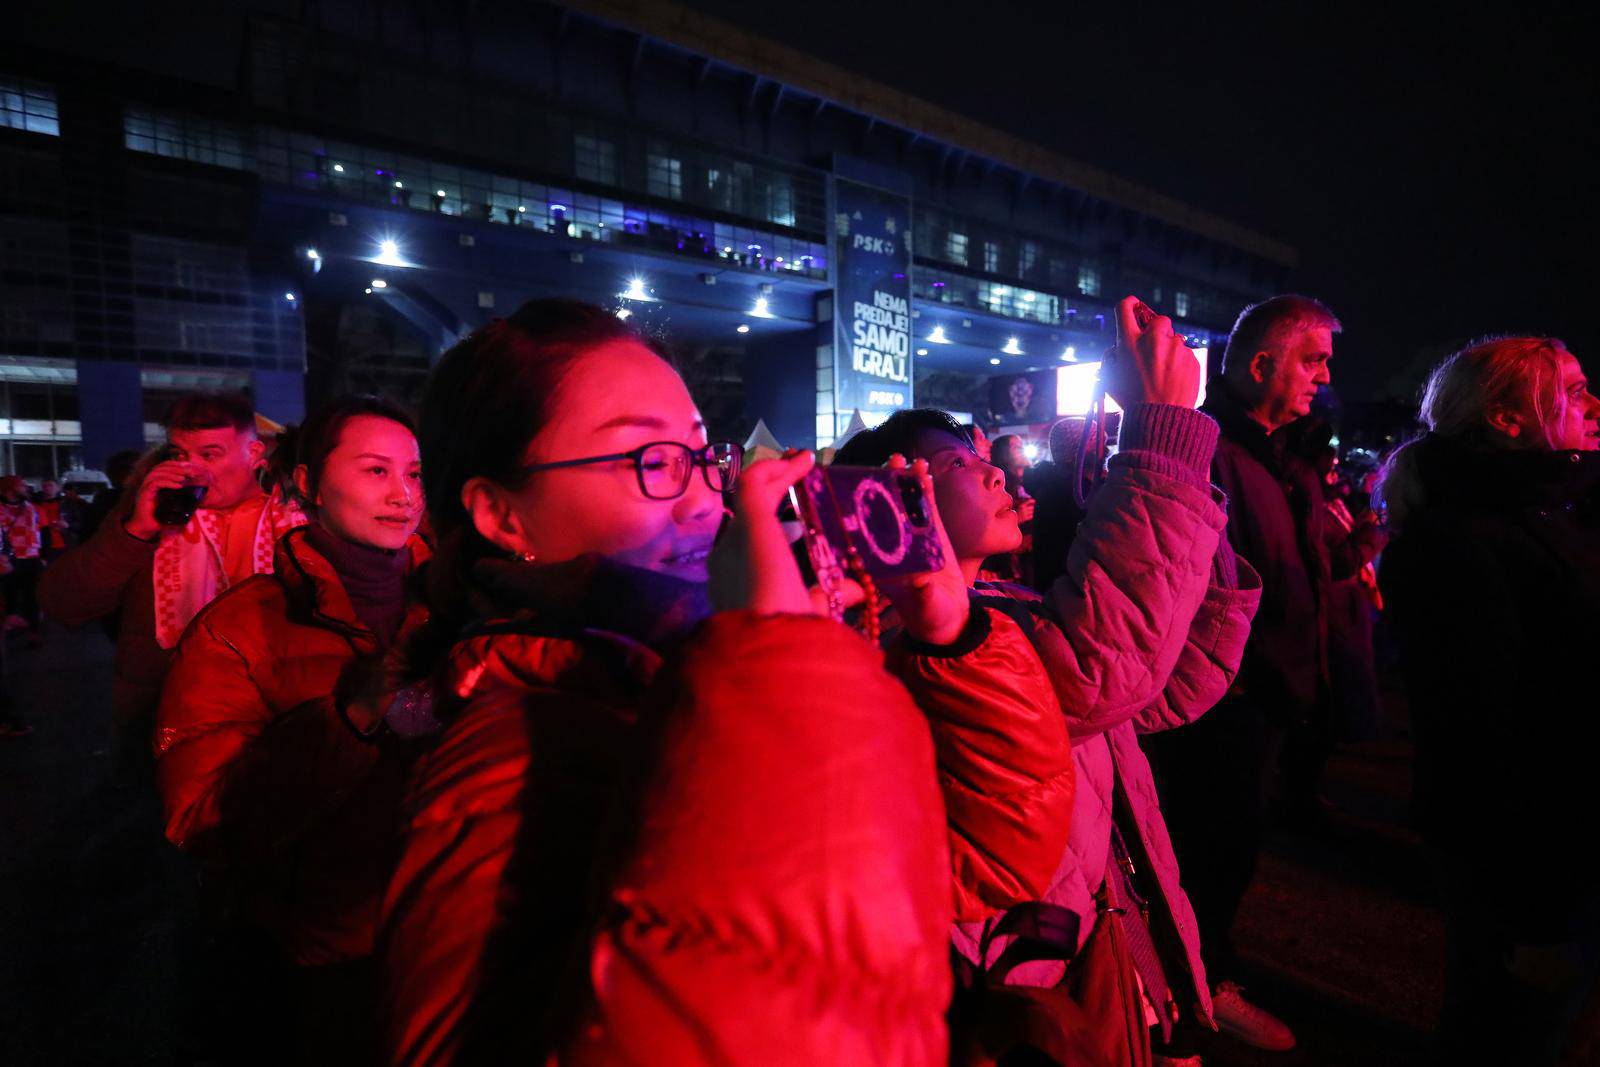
(883, 514)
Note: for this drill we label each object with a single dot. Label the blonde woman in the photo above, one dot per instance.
(1493, 584)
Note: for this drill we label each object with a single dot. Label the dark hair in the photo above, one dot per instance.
(310, 443)
(898, 433)
(1265, 324)
(121, 465)
(492, 393)
(211, 411)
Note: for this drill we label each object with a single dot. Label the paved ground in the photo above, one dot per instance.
(1341, 932)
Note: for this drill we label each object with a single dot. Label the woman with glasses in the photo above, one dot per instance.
(273, 774)
(671, 818)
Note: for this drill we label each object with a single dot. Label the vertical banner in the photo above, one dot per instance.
(872, 302)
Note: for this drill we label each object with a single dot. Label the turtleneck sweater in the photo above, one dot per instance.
(373, 578)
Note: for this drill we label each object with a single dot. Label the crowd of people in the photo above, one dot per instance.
(515, 733)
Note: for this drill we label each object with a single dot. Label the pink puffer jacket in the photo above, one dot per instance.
(1144, 632)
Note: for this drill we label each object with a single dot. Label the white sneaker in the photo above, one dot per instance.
(1241, 1019)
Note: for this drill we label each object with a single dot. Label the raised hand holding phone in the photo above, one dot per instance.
(932, 605)
(1152, 364)
(751, 566)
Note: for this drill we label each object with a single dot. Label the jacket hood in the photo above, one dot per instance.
(1459, 476)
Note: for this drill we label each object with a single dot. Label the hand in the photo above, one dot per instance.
(751, 567)
(1152, 364)
(933, 605)
(1025, 508)
(173, 474)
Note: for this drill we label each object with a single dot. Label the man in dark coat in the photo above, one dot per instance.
(1213, 775)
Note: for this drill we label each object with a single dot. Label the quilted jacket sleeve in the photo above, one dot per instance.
(1211, 653)
(1005, 763)
(1138, 570)
(239, 783)
(88, 582)
(788, 900)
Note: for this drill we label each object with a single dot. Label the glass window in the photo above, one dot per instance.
(185, 137)
(1027, 256)
(30, 106)
(729, 186)
(594, 159)
(780, 200)
(955, 247)
(1180, 304)
(664, 177)
(1089, 280)
(991, 257)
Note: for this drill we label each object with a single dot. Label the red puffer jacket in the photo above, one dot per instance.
(261, 779)
(777, 893)
(1005, 761)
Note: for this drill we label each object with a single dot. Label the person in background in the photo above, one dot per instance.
(75, 512)
(159, 574)
(1353, 539)
(1134, 637)
(1492, 584)
(1056, 509)
(1214, 775)
(53, 525)
(1010, 456)
(22, 536)
(648, 833)
(120, 470)
(275, 769)
(10, 724)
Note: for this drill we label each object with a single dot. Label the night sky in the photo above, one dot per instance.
(1432, 165)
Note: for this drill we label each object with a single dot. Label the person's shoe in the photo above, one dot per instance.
(1239, 1018)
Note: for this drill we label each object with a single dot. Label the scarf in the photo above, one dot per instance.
(188, 572)
(373, 578)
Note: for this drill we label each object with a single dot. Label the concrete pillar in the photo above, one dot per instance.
(280, 395)
(780, 385)
(110, 409)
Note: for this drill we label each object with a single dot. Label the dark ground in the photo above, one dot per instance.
(1341, 932)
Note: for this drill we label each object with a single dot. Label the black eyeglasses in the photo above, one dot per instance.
(665, 467)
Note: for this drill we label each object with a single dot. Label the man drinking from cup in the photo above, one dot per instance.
(197, 523)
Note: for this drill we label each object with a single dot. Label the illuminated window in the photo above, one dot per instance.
(955, 247)
(594, 159)
(1180, 304)
(729, 186)
(29, 106)
(780, 200)
(1089, 280)
(991, 257)
(665, 177)
(184, 137)
(1027, 256)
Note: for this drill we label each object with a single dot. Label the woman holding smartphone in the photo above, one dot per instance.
(670, 819)
(1492, 583)
(271, 769)
(1144, 631)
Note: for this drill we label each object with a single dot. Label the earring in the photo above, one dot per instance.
(522, 557)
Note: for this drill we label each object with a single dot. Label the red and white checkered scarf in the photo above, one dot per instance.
(189, 572)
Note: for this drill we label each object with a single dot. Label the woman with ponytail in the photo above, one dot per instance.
(1492, 582)
(673, 817)
(275, 771)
